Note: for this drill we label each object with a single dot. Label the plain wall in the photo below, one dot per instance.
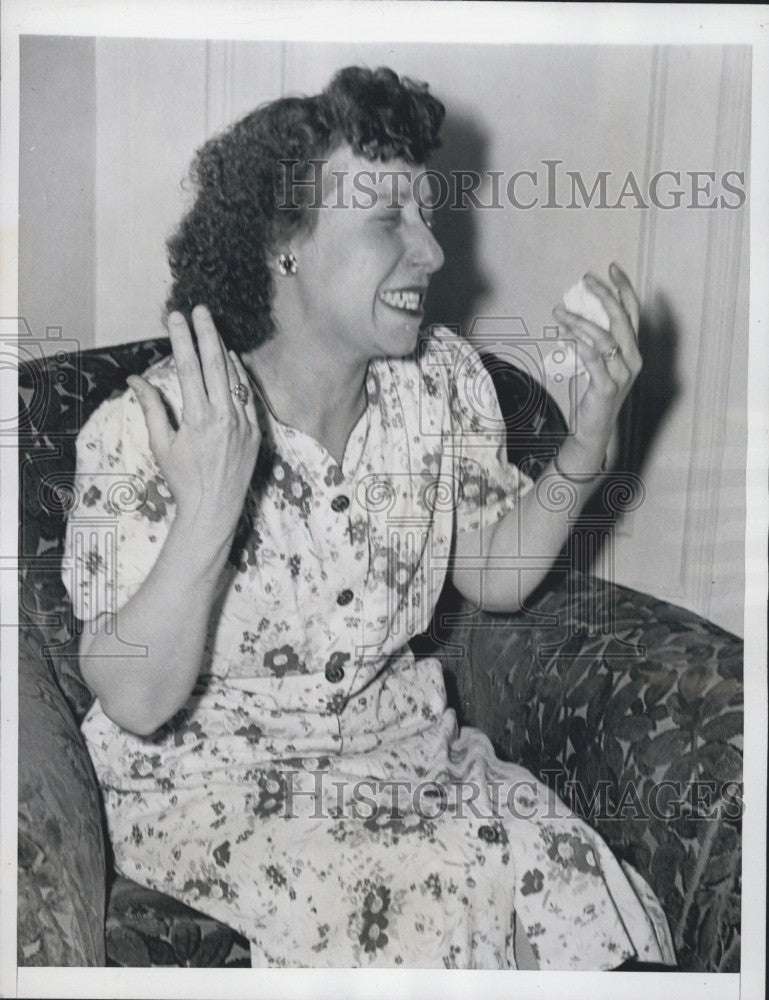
(57, 207)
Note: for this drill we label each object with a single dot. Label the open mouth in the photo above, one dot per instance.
(408, 300)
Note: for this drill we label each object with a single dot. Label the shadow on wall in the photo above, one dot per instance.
(642, 417)
(657, 386)
(456, 288)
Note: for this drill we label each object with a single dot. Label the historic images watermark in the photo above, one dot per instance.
(318, 794)
(548, 185)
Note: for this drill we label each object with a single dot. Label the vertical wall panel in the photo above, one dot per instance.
(694, 382)
(720, 345)
(239, 77)
(56, 188)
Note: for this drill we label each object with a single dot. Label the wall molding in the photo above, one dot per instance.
(722, 274)
(220, 82)
(629, 446)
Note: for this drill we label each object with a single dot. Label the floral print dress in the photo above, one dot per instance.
(315, 793)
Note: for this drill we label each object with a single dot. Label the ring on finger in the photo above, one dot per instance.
(240, 392)
(612, 354)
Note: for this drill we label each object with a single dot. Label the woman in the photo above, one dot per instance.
(269, 750)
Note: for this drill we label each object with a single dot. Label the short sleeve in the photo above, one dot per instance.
(487, 485)
(121, 509)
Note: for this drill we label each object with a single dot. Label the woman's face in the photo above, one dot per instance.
(364, 268)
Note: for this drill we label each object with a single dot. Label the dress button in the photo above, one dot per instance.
(334, 673)
(340, 503)
(344, 597)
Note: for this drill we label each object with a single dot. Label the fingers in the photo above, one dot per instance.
(601, 379)
(623, 324)
(158, 425)
(623, 315)
(205, 379)
(237, 374)
(590, 333)
(610, 302)
(627, 295)
(593, 345)
(213, 359)
(187, 366)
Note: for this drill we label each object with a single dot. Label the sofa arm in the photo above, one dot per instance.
(61, 874)
(637, 725)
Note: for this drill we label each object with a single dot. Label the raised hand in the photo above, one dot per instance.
(612, 361)
(209, 461)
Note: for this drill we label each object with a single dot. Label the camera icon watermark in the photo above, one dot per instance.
(509, 353)
(46, 367)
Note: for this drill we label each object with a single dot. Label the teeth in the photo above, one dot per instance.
(408, 300)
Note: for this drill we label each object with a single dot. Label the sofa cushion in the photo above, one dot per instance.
(146, 928)
(61, 872)
(652, 698)
(56, 395)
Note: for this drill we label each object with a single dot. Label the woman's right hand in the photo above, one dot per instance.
(209, 461)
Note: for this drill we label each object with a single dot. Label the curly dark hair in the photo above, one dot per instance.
(219, 253)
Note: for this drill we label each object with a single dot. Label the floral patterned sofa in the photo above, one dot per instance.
(630, 707)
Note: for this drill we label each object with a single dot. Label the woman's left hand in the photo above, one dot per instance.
(612, 361)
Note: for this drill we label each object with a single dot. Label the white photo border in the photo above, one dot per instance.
(497, 23)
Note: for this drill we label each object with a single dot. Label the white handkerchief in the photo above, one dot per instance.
(564, 361)
(580, 300)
